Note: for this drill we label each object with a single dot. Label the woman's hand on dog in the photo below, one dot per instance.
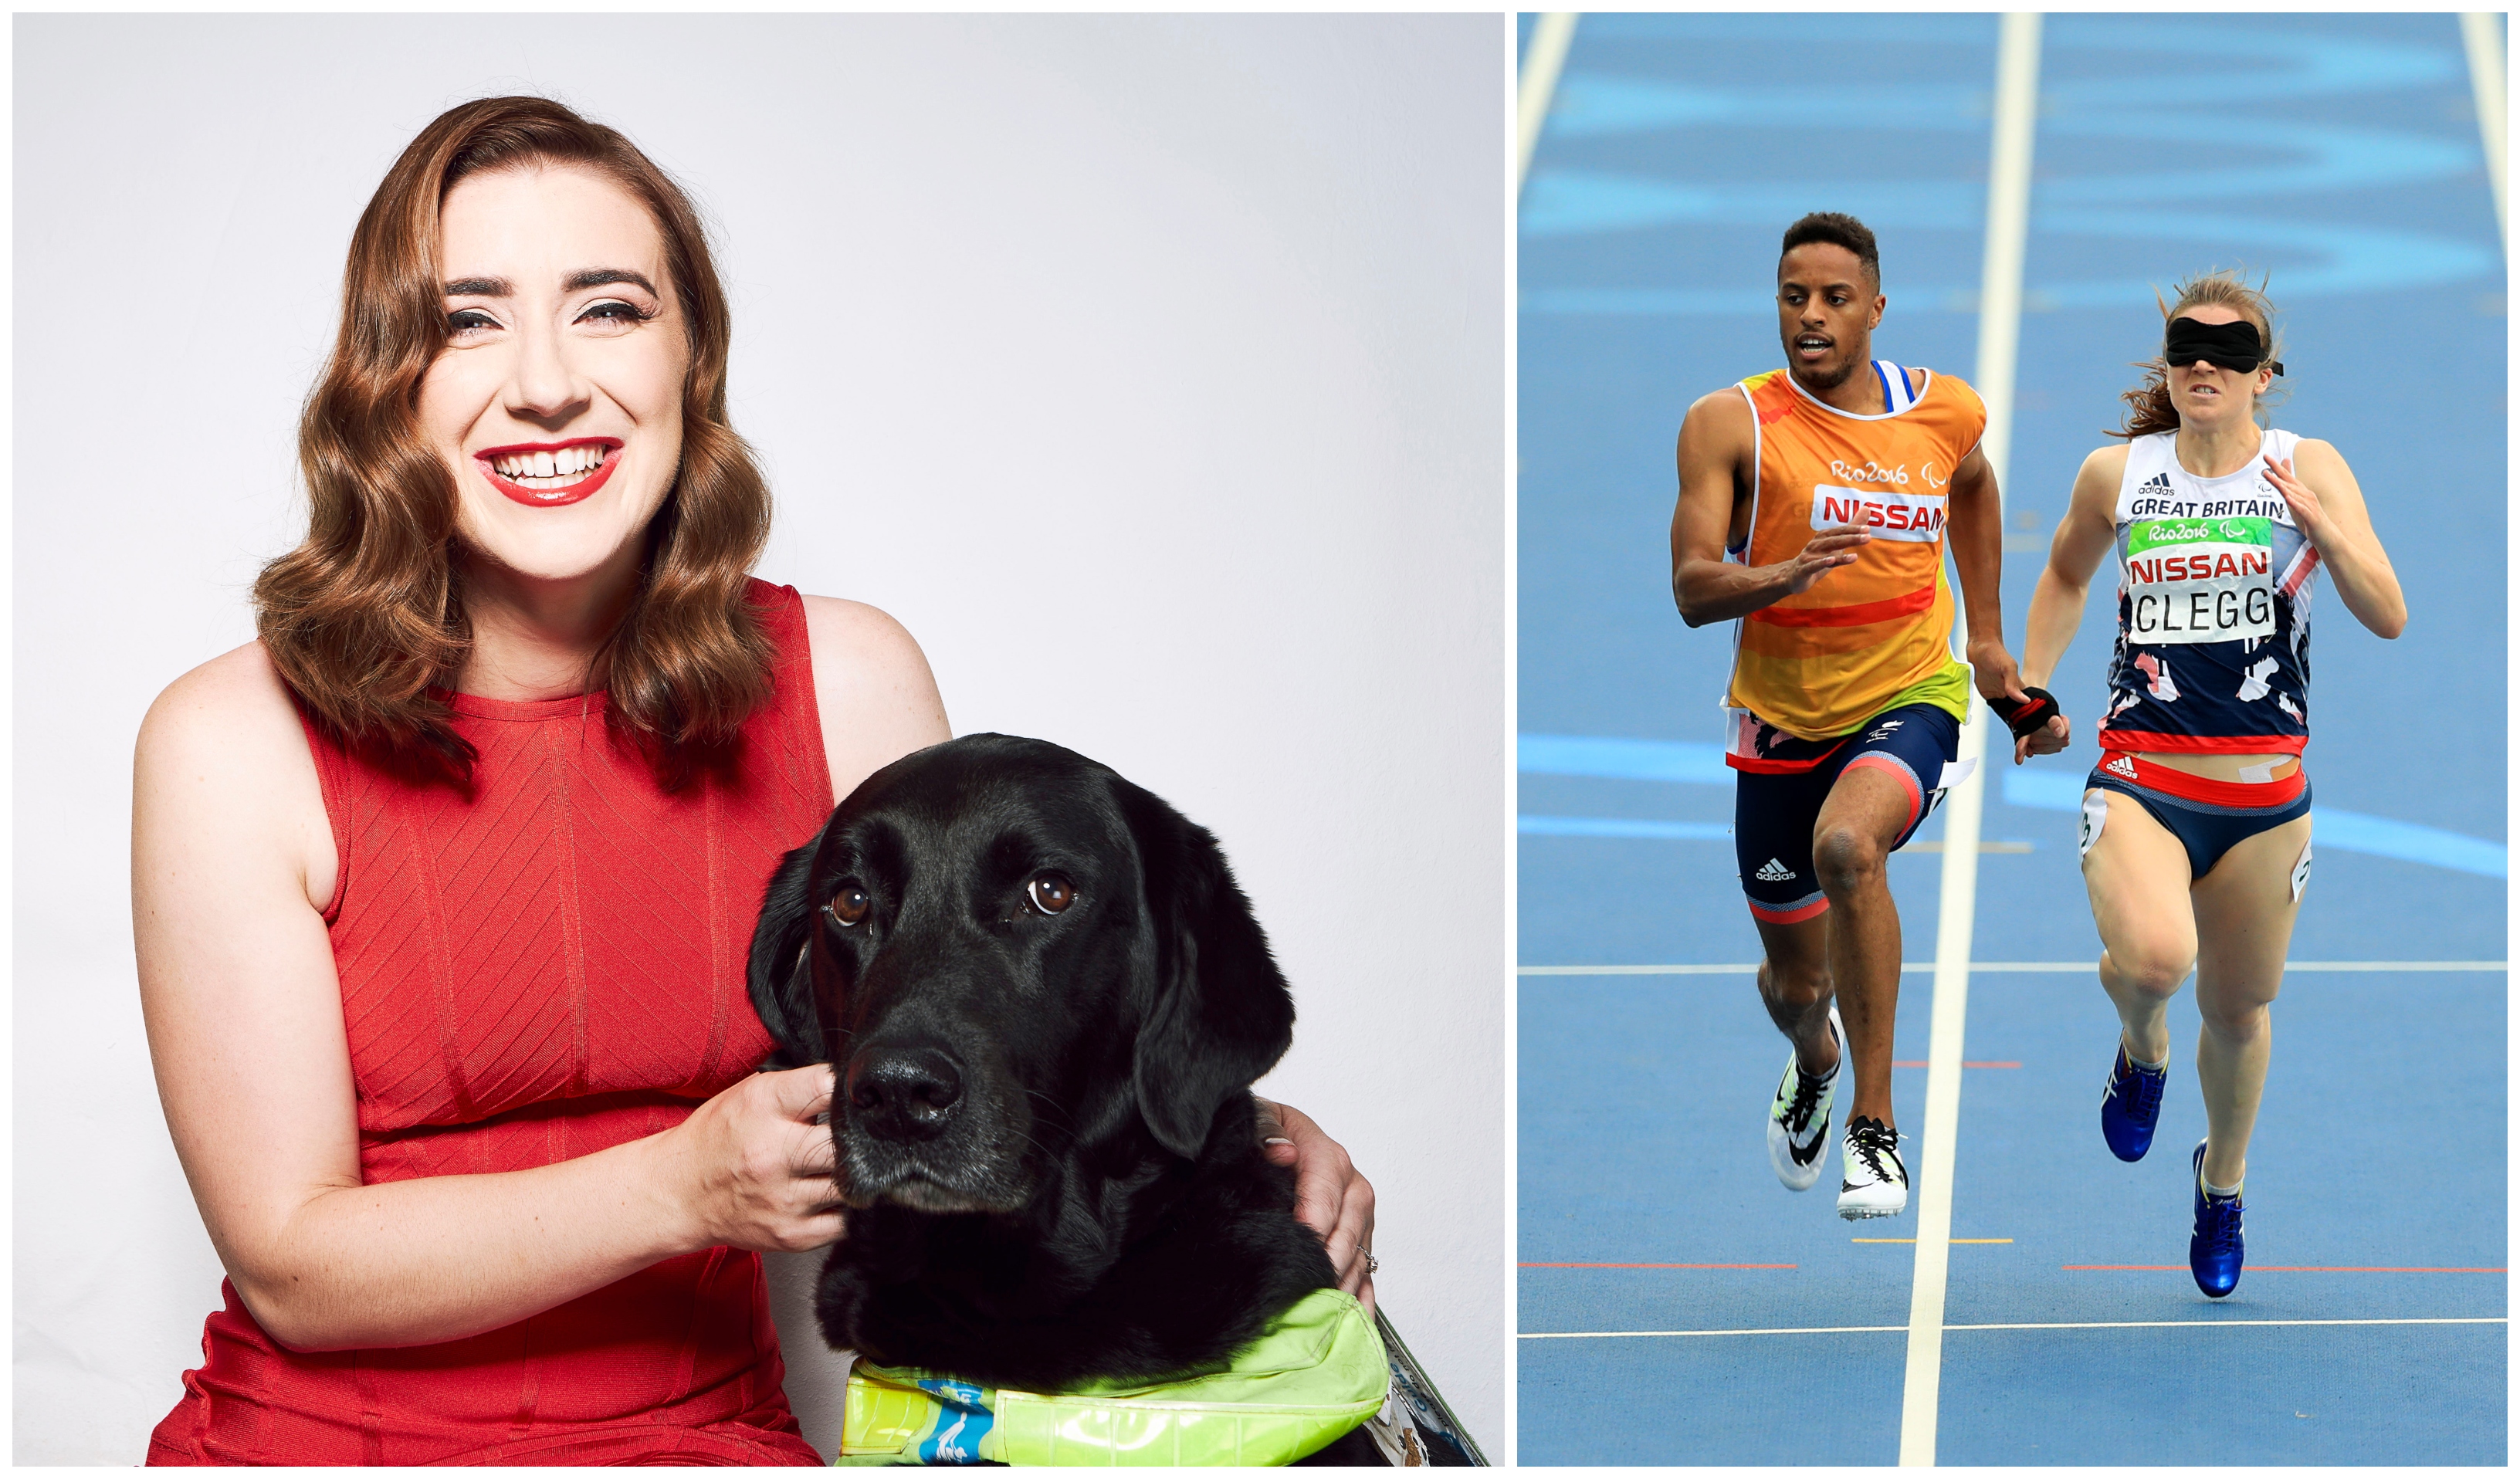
(1332, 1197)
(755, 1170)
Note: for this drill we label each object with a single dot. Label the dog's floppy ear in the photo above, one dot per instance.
(782, 984)
(1221, 1014)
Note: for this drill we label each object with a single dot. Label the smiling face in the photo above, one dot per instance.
(1828, 306)
(2209, 396)
(558, 400)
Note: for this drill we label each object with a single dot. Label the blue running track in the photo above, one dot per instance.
(1718, 1317)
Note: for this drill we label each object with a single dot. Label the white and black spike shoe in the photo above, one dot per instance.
(1876, 1179)
(1798, 1120)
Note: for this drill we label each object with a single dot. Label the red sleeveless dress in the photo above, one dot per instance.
(546, 969)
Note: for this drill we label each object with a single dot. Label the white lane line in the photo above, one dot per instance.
(2008, 967)
(2008, 231)
(2167, 1325)
(1551, 36)
(1654, 1335)
(2487, 72)
(1999, 338)
(2095, 1324)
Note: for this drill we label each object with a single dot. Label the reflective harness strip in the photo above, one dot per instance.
(1315, 1373)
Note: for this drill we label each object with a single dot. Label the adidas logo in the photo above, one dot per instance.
(2122, 765)
(2159, 481)
(1773, 873)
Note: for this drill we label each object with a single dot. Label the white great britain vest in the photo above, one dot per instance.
(2213, 649)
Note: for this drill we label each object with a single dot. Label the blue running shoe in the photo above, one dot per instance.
(2130, 1107)
(2214, 1248)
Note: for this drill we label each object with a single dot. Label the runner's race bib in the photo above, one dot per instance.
(2200, 579)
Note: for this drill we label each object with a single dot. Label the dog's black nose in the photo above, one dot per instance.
(904, 1093)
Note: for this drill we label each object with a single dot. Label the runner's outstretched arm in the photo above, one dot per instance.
(2328, 506)
(2083, 536)
(1974, 534)
(1717, 457)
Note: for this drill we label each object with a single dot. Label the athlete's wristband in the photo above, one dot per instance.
(2033, 715)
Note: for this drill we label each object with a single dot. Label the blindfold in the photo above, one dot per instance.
(2233, 345)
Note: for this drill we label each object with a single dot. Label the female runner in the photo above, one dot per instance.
(2195, 835)
(442, 889)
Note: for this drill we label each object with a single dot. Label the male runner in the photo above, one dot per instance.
(1812, 506)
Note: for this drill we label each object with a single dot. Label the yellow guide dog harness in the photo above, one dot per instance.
(1317, 1372)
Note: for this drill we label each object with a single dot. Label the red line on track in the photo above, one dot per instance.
(2260, 1269)
(1657, 1266)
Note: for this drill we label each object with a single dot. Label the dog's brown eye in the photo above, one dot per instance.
(849, 905)
(1050, 892)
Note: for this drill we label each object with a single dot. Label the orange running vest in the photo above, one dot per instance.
(1822, 663)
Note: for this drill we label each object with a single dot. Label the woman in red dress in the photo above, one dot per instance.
(442, 889)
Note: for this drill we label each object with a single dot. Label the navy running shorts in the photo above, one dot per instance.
(2202, 814)
(1774, 811)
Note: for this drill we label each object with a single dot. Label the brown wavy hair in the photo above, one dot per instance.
(2149, 408)
(365, 618)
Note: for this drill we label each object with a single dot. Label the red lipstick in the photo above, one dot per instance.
(551, 498)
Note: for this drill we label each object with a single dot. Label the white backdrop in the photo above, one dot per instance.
(1149, 370)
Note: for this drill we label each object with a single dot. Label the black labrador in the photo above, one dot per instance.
(1048, 1000)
